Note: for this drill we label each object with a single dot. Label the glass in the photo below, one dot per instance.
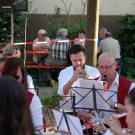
(106, 67)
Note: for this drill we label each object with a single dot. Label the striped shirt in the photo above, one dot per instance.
(58, 51)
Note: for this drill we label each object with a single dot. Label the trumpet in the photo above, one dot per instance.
(83, 74)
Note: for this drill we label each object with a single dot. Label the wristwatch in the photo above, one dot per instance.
(116, 106)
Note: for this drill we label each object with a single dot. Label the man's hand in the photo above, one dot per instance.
(114, 124)
(77, 74)
(68, 85)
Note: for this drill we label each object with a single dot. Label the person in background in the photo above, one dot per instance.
(111, 45)
(102, 35)
(42, 37)
(14, 67)
(81, 37)
(10, 51)
(2, 63)
(58, 50)
(15, 117)
(57, 54)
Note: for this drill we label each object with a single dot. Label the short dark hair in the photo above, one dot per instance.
(131, 97)
(81, 31)
(74, 49)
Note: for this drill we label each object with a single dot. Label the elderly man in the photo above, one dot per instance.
(107, 66)
(42, 37)
(58, 50)
(69, 77)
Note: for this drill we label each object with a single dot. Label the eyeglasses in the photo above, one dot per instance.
(106, 67)
(16, 77)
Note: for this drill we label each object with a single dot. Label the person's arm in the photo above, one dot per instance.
(68, 85)
(41, 45)
(36, 113)
(114, 125)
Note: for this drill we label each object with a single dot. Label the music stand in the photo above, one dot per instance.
(91, 96)
(68, 105)
(67, 124)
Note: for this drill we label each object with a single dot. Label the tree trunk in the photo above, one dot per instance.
(92, 31)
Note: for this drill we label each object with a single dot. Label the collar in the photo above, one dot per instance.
(116, 80)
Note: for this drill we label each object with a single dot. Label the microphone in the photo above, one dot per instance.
(104, 79)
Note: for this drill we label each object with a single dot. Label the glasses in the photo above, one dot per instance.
(16, 77)
(106, 67)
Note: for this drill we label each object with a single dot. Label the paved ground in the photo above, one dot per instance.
(47, 112)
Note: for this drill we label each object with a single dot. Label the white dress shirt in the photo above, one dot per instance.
(66, 74)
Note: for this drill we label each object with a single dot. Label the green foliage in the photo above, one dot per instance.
(73, 27)
(52, 101)
(126, 36)
(128, 67)
(5, 26)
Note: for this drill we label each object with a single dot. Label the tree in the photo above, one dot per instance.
(92, 30)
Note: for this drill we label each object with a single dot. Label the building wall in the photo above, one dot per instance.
(107, 7)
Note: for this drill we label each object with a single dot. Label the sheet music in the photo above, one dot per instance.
(84, 95)
(66, 105)
(73, 123)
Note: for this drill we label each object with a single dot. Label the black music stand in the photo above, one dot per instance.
(68, 105)
(93, 97)
(67, 124)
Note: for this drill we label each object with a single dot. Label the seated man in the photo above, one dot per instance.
(42, 37)
(58, 50)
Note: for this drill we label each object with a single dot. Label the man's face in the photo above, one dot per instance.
(107, 67)
(81, 35)
(41, 36)
(102, 35)
(78, 60)
(130, 119)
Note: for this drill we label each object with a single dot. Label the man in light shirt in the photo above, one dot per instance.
(42, 37)
(69, 76)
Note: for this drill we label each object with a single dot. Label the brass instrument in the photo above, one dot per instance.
(84, 75)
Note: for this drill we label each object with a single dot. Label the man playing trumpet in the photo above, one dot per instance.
(69, 76)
